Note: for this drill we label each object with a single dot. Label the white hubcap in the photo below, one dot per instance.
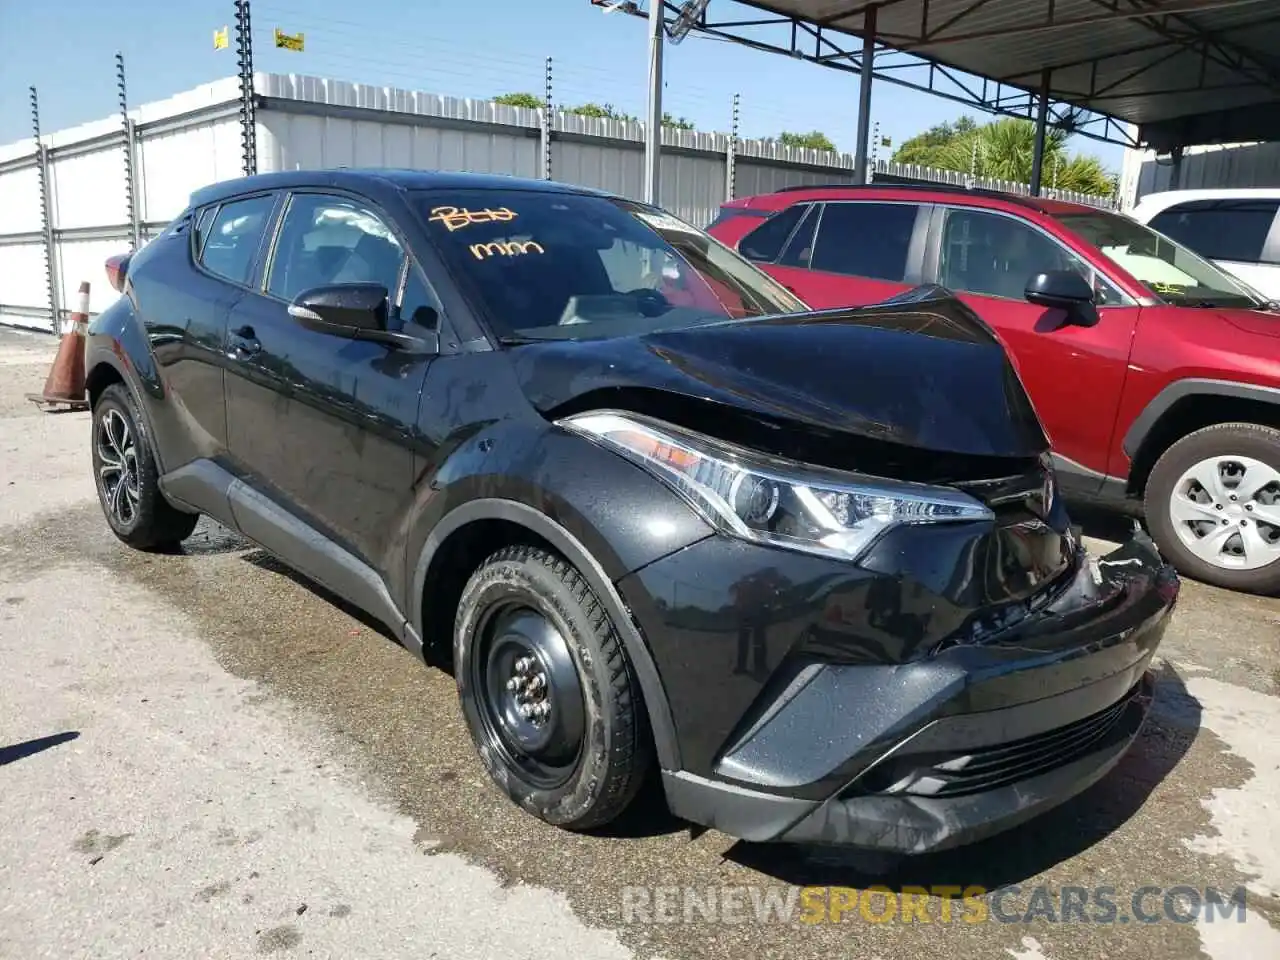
(1227, 511)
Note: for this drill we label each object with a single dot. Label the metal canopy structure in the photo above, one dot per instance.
(1182, 72)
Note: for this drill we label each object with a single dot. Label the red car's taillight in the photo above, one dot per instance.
(117, 269)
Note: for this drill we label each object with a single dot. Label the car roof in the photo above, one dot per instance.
(925, 192)
(355, 177)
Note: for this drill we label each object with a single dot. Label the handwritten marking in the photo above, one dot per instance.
(505, 248)
(455, 219)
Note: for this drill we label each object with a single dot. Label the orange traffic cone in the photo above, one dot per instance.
(65, 384)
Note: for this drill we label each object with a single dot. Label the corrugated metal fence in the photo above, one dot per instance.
(193, 139)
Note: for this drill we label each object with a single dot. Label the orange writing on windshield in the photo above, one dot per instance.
(505, 248)
(455, 219)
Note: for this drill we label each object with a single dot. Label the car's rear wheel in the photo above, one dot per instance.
(1213, 506)
(548, 692)
(127, 478)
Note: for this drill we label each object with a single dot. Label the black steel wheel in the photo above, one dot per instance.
(127, 478)
(549, 695)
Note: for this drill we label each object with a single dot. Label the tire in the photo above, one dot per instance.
(127, 480)
(583, 763)
(1241, 551)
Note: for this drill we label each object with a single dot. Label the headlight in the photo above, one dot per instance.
(768, 500)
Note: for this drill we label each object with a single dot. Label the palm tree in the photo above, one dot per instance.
(1005, 150)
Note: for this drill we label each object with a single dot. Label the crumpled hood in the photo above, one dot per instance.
(921, 370)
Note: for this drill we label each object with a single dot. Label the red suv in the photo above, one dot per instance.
(1156, 374)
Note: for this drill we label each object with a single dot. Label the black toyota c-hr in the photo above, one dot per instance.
(809, 568)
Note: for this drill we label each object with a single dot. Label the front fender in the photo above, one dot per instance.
(624, 517)
(605, 515)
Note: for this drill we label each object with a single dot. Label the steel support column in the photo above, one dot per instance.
(1042, 120)
(864, 95)
(653, 129)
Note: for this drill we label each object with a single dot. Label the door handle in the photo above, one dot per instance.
(243, 343)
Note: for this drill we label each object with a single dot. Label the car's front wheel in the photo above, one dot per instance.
(548, 692)
(1213, 506)
(127, 477)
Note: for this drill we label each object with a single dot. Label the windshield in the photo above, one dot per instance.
(546, 265)
(1170, 270)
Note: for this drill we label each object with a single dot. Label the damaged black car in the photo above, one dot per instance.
(810, 569)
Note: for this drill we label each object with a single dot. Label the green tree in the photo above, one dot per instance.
(920, 148)
(679, 123)
(1004, 149)
(520, 100)
(813, 140)
(603, 111)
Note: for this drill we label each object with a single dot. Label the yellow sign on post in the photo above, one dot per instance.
(221, 39)
(287, 41)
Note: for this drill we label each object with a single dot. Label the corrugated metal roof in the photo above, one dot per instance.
(1184, 71)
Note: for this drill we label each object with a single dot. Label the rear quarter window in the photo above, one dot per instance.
(765, 242)
(234, 237)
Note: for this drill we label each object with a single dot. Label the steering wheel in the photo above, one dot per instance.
(651, 303)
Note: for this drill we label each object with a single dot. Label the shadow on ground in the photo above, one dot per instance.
(28, 748)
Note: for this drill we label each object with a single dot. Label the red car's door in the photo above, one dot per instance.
(842, 253)
(1073, 374)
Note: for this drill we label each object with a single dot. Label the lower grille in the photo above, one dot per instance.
(986, 768)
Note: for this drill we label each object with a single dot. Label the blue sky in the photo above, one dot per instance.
(476, 48)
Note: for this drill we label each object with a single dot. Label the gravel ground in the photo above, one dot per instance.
(204, 755)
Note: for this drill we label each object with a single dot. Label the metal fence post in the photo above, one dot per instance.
(130, 175)
(875, 151)
(46, 218)
(248, 106)
(547, 119)
(731, 156)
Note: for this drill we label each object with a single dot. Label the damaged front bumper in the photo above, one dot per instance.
(956, 746)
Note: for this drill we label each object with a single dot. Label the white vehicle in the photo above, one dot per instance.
(1236, 228)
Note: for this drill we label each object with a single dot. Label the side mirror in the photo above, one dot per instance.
(343, 309)
(1064, 290)
(357, 311)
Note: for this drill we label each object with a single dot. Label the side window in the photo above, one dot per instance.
(799, 248)
(1220, 229)
(764, 243)
(328, 239)
(995, 255)
(232, 240)
(418, 303)
(870, 240)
